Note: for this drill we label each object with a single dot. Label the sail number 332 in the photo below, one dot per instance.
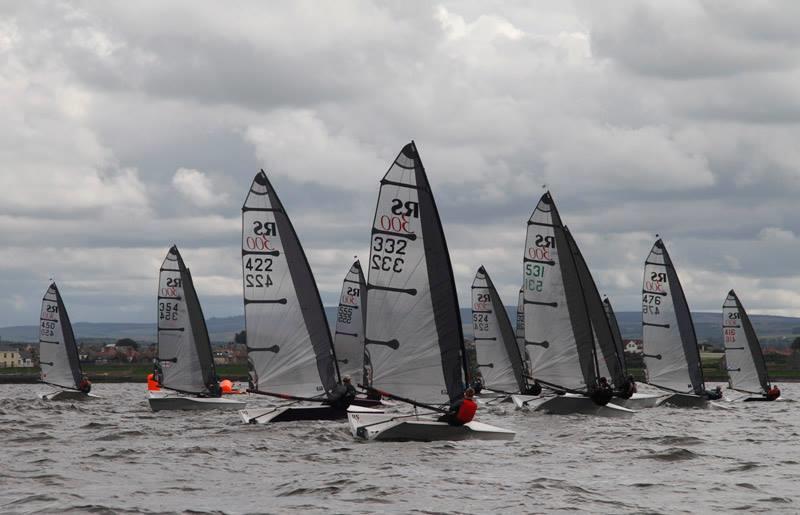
(386, 254)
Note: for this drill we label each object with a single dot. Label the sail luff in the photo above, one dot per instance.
(665, 320)
(745, 363)
(289, 344)
(413, 329)
(600, 324)
(349, 333)
(558, 332)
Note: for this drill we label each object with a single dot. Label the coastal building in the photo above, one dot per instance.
(14, 357)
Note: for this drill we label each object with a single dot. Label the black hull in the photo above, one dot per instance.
(758, 399)
(315, 413)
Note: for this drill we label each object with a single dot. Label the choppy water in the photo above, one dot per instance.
(115, 455)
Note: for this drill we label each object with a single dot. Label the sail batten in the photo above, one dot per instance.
(58, 351)
(184, 359)
(290, 349)
(744, 358)
(558, 331)
(671, 354)
(413, 333)
(499, 359)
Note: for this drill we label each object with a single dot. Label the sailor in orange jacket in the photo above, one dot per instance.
(773, 393)
(461, 411)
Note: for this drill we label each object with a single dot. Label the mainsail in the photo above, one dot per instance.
(670, 344)
(499, 359)
(58, 353)
(558, 331)
(350, 322)
(743, 356)
(414, 333)
(615, 332)
(608, 360)
(184, 350)
(289, 344)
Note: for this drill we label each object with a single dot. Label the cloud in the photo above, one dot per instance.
(195, 186)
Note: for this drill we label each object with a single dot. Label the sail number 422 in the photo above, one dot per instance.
(259, 276)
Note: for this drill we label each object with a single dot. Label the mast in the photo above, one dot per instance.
(671, 354)
(520, 332)
(58, 352)
(184, 348)
(609, 362)
(289, 344)
(615, 332)
(350, 325)
(558, 331)
(414, 334)
(743, 355)
(499, 359)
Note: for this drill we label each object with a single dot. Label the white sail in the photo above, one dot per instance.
(414, 333)
(58, 352)
(349, 336)
(670, 345)
(558, 334)
(184, 351)
(499, 359)
(289, 344)
(743, 356)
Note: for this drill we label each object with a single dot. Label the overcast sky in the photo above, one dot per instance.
(129, 126)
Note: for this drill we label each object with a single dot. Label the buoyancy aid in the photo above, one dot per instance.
(466, 411)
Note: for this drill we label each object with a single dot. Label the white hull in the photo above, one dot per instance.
(684, 400)
(168, 402)
(639, 401)
(570, 404)
(67, 395)
(366, 424)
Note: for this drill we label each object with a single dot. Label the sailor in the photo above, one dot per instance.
(603, 393)
(85, 385)
(773, 393)
(714, 394)
(628, 388)
(213, 388)
(152, 384)
(533, 389)
(477, 385)
(227, 386)
(461, 411)
(343, 395)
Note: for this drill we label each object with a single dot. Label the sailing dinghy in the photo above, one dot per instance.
(58, 352)
(414, 333)
(289, 347)
(184, 366)
(747, 370)
(671, 355)
(638, 400)
(499, 358)
(558, 329)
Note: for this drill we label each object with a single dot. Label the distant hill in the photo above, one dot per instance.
(223, 329)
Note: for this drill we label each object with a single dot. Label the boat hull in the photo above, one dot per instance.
(684, 400)
(166, 402)
(369, 425)
(570, 404)
(292, 414)
(638, 401)
(68, 395)
(759, 399)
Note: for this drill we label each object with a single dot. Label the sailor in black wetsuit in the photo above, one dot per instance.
(603, 393)
(343, 395)
(714, 394)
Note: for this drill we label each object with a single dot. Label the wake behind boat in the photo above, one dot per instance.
(413, 331)
(58, 352)
(184, 367)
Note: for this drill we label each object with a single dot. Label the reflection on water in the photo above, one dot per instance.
(116, 455)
